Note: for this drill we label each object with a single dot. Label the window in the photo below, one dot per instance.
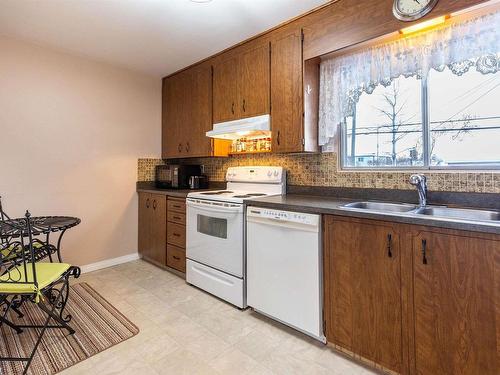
(429, 100)
(462, 130)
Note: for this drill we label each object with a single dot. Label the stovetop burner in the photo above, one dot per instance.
(217, 192)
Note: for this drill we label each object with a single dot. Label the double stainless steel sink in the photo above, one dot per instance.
(431, 211)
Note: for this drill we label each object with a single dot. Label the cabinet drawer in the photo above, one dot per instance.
(176, 205)
(176, 217)
(176, 258)
(176, 234)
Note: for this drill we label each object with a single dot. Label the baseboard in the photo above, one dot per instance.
(109, 263)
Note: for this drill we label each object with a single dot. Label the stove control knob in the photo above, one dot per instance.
(269, 173)
(276, 173)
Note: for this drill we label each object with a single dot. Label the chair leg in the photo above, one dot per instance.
(53, 315)
(40, 336)
(10, 324)
(4, 320)
(18, 312)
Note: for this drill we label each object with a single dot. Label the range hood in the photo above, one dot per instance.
(257, 126)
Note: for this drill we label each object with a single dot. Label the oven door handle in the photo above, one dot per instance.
(214, 208)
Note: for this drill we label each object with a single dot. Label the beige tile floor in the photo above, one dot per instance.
(184, 330)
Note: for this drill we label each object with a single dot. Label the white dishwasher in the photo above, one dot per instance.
(284, 268)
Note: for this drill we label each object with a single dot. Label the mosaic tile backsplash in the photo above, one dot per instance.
(322, 170)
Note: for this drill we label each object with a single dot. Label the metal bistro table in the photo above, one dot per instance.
(42, 226)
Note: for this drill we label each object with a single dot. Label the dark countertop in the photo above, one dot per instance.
(149, 187)
(332, 205)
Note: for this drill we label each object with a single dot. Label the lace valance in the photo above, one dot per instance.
(472, 44)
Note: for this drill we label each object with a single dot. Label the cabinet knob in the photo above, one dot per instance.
(147, 203)
(179, 148)
(244, 106)
(176, 257)
(187, 147)
(389, 245)
(278, 138)
(154, 204)
(232, 108)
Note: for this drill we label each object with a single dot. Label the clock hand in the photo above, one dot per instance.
(418, 2)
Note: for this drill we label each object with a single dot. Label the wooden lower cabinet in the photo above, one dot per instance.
(176, 234)
(456, 283)
(152, 227)
(363, 289)
(162, 230)
(176, 258)
(414, 300)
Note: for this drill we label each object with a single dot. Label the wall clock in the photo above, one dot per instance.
(411, 10)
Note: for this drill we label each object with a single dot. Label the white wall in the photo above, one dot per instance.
(71, 131)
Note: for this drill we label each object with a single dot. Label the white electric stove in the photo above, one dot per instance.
(215, 243)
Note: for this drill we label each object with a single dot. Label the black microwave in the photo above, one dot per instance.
(175, 176)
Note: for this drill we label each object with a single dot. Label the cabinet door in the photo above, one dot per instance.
(457, 304)
(144, 243)
(287, 93)
(254, 81)
(363, 289)
(173, 115)
(158, 232)
(225, 89)
(196, 142)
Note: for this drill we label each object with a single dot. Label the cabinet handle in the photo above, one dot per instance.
(176, 234)
(244, 107)
(177, 218)
(424, 251)
(154, 204)
(232, 108)
(278, 138)
(176, 258)
(389, 245)
(179, 148)
(147, 203)
(187, 147)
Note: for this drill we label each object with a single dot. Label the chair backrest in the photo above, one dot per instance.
(3, 215)
(17, 257)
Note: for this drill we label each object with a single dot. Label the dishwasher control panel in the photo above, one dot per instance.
(295, 217)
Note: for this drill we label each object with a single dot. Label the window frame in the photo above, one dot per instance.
(424, 92)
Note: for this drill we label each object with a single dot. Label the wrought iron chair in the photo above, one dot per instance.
(23, 280)
(42, 246)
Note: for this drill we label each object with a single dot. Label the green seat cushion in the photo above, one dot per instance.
(46, 274)
(12, 251)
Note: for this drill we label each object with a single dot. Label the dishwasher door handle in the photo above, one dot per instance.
(287, 224)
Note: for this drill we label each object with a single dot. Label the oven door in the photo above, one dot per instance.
(215, 235)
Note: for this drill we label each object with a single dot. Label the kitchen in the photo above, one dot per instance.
(316, 192)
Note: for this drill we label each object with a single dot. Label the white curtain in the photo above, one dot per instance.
(461, 46)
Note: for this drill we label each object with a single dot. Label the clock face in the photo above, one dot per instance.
(409, 10)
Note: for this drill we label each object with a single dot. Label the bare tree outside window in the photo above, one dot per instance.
(463, 123)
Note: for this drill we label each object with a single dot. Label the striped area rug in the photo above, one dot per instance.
(97, 323)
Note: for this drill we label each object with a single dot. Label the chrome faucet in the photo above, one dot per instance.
(420, 182)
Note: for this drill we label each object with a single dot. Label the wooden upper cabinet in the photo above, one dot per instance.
(172, 113)
(254, 81)
(286, 92)
(241, 82)
(200, 112)
(225, 89)
(187, 115)
(362, 263)
(457, 304)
